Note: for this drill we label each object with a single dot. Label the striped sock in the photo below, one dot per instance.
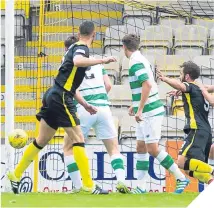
(168, 163)
(118, 166)
(73, 171)
(142, 165)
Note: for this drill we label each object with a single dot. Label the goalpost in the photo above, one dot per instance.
(40, 30)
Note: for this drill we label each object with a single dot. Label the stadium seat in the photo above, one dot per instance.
(170, 64)
(173, 126)
(156, 40)
(137, 23)
(113, 38)
(144, 17)
(172, 21)
(177, 108)
(207, 22)
(19, 31)
(127, 126)
(2, 55)
(211, 42)
(206, 63)
(190, 40)
(112, 68)
(120, 95)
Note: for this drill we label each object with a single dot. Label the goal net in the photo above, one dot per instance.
(171, 32)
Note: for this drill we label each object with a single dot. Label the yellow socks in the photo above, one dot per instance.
(83, 164)
(199, 166)
(203, 177)
(28, 156)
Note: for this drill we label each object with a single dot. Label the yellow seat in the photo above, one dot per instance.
(178, 108)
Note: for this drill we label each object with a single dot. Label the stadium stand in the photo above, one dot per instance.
(172, 21)
(211, 42)
(190, 40)
(156, 40)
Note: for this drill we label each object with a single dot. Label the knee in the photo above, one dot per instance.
(41, 142)
(153, 151)
(141, 147)
(180, 163)
(67, 148)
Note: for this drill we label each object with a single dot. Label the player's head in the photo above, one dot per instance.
(189, 72)
(130, 44)
(87, 31)
(70, 41)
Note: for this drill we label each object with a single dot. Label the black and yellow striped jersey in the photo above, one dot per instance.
(69, 76)
(196, 108)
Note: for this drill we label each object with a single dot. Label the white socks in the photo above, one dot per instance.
(168, 163)
(73, 171)
(118, 166)
(142, 165)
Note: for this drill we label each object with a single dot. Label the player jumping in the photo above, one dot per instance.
(58, 109)
(193, 156)
(93, 91)
(149, 112)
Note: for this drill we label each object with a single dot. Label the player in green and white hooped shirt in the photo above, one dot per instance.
(148, 111)
(93, 92)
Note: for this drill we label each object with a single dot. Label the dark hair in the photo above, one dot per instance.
(86, 28)
(192, 69)
(70, 40)
(131, 42)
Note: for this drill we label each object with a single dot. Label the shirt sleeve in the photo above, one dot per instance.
(188, 87)
(140, 72)
(81, 50)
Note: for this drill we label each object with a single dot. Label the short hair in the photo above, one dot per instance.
(70, 40)
(131, 41)
(192, 69)
(86, 28)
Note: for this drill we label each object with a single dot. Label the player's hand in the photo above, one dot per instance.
(108, 60)
(160, 75)
(175, 93)
(91, 109)
(131, 111)
(138, 116)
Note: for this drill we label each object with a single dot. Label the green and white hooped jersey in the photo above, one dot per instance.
(93, 88)
(141, 70)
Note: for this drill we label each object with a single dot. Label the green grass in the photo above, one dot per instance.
(87, 200)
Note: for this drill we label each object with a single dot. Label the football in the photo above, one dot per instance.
(18, 138)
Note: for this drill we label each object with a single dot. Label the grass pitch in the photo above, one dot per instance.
(165, 200)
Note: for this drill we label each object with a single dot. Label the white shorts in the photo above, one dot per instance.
(102, 123)
(149, 130)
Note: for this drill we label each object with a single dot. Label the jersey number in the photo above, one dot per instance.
(206, 105)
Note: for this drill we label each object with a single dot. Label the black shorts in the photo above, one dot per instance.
(197, 145)
(58, 109)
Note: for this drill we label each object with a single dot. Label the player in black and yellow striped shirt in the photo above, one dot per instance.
(59, 110)
(194, 153)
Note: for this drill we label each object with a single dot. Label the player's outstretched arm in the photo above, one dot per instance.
(176, 84)
(210, 88)
(205, 91)
(81, 61)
